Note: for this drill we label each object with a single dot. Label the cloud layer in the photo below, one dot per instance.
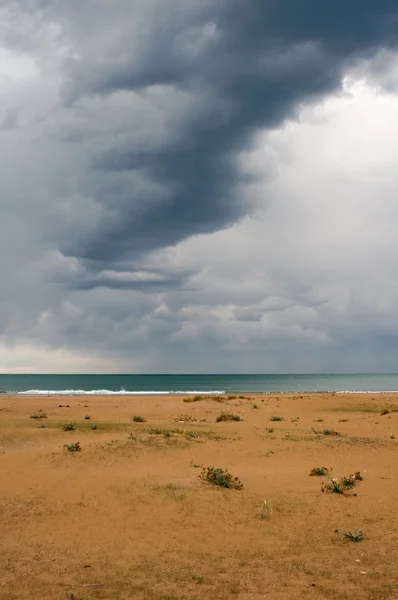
(198, 186)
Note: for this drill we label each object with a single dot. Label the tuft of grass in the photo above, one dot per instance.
(221, 478)
(39, 415)
(87, 418)
(192, 435)
(270, 430)
(265, 512)
(328, 432)
(255, 405)
(276, 418)
(73, 447)
(138, 419)
(385, 412)
(194, 399)
(354, 536)
(344, 484)
(343, 420)
(318, 421)
(320, 472)
(94, 426)
(68, 427)
(228, 417)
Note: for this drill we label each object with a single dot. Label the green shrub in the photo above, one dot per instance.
(138, 419)
(68, 427)
(39, 415)
(73, 447)
(228, 417)
(221, 478)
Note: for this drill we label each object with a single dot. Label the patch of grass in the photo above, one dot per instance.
(265, 512)
(385, 412)
(231, 397)
(320, 472)
(39, 415)
(94, 427)
(328, 432)
(344, 484)
(192, 435)
(227, 417)
(318, 421)
(87, 418)
(343, 420)
(185, 419)
(139, 419)
(221, 478)
(274, 418)
(194, 399)
(354, 536)
(269, 430)
(165, 432)
(68, 427)
(255, 405)
(73, 447)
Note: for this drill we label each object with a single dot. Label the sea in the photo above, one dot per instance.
(125, 385)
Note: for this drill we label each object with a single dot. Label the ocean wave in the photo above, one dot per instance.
(116, 392)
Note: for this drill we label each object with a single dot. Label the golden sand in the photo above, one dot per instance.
(130, 517)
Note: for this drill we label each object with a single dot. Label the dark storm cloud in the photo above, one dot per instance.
(261, 60)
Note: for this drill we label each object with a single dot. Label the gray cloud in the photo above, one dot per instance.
(130, 137)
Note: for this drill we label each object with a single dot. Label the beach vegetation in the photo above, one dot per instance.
(353, 536)
(221, 478)
(255, 405)
(227, 417)
(87, 418)
(332, 432)
(68, 427)
(344, 484)
(270, 430)
(73, 447)
(94, 426)
(193, 399)
(39, 415)
(275, 418)
(139, 419)
(320, 472)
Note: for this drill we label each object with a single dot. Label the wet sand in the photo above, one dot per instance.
(130, 517)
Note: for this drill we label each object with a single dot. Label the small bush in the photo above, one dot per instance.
(342, 485)
(276, 419)
(192, 435)
(138, 419)
(68, 427)
(328, 432)
(227, 417)
(94, 426)
(73, 447)
(270, 430)
(319, 472)
(385, 412)
(194, 399)
(39, 415)
(355, 536)
(255, 405)
(87, 417)
(220, 477)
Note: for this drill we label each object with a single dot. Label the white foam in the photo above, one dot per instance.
(117, 393)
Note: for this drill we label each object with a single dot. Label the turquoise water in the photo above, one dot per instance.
(166, 384)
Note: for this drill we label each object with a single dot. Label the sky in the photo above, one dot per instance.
(198, 186)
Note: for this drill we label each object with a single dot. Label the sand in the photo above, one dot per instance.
(129, 516)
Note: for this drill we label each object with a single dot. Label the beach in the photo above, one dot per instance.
(97, 505)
